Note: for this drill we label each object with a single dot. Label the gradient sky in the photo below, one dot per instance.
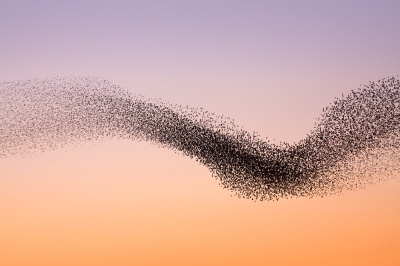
(270, 65)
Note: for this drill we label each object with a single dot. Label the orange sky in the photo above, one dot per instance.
(62, 208)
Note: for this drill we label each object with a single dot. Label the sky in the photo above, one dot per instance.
(272, 66)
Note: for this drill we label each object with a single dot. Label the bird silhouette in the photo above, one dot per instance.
(355, 141)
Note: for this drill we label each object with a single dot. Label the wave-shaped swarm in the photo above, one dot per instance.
(355, 142)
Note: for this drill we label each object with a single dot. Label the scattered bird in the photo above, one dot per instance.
(355, 142)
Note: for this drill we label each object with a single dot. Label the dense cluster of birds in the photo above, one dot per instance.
(355, 142)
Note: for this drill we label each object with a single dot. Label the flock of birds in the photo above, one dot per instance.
(356, 141)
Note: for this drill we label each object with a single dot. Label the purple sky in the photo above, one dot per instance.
(271, 65)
